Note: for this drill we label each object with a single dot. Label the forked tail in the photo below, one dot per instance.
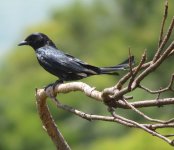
(122, 66)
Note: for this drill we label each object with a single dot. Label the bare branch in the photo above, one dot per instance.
(48, 122)
(79, 86)
(91, 117)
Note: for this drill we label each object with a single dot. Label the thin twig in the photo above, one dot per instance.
(161, 90)
(169, 135)
(153, 66)
(145, 129)
(163, 22)
(131, 72)
(145, 116)
(145, 103)
(138, 68)
(165, 40)
(126, 77)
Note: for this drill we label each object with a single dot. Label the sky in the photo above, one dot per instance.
(17, 15)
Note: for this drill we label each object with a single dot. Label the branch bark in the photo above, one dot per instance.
(48, 122)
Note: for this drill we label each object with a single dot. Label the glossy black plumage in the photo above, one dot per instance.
(62, 65)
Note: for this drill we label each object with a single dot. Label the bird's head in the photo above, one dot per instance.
(37, 40)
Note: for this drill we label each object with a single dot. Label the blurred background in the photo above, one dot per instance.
(98, 32)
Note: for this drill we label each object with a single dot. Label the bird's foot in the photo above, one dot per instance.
(49, 91)
(50, 88)
(49, 85)
(58, 82)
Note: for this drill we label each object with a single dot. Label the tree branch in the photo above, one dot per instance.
(116, 96)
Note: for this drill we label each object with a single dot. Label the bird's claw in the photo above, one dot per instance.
(50, 89)
(46, 87)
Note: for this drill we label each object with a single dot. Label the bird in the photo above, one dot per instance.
(64, 66)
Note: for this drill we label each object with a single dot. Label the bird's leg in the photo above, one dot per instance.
(57, 82)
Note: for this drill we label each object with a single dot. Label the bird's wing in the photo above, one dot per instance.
(76, 59)
(89, 68)
(67, 63)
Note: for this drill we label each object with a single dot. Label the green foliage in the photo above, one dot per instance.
(134, 141)
(100, 34)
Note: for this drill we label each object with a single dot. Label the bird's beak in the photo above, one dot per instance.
(23, 43)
